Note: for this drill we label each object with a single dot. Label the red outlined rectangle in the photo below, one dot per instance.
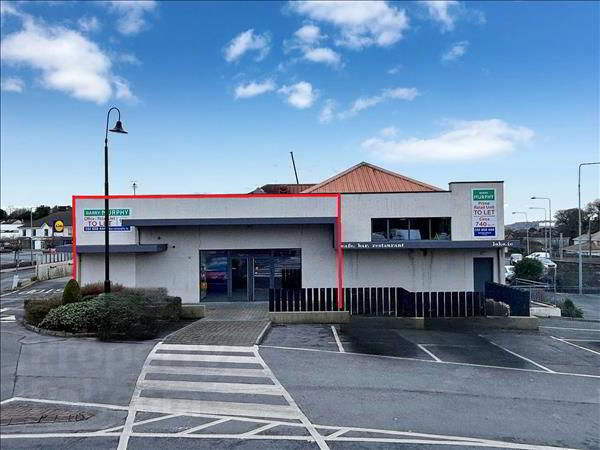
(339, 252)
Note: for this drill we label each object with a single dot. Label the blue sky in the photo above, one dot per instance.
(215, 95)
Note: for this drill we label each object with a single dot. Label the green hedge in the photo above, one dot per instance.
(37, 309)
(71, 293)
(127, 314)
(98, 288)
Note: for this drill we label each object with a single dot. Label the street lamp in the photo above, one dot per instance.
(580, 232)
(527, 229)
(545, 218)
(549, 214)
(118, 128)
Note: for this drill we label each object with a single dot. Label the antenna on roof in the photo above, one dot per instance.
(294, 164)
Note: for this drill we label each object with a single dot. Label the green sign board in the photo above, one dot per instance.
(484, 194)
(111, 212)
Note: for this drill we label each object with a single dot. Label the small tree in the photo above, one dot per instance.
(72, 293)
(529, 269)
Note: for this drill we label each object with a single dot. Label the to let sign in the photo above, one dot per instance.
(93, 219)
(484, 213)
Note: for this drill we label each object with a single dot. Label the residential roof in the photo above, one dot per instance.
(282, 188)
(365, 177)
(595, 237)
(65, 216)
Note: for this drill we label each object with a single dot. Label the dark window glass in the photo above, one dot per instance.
(35, 232)
(419, 229)
(24, 232)
(379, 229)
(46, 232)
(440, 228)
(214, 272)
(399, 229)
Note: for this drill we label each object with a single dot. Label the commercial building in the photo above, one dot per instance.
(366, 227)
(50, 231)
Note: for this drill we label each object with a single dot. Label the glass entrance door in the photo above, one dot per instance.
(239, 279)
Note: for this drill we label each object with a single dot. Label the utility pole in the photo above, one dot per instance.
(294, 164)
(31, 236)
(134, 185)
(579, 239)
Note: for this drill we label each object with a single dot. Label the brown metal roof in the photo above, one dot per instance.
(282, 188)
(365, 177)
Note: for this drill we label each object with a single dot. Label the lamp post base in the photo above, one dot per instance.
(107, 286)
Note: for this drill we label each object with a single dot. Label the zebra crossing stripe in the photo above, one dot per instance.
(224, 388)
(214, 371)
(205, 358)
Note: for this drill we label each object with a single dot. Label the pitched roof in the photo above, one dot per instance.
(281, 188)
(65, 216)
(365, 177)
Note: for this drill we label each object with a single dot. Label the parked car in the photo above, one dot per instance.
(509, 273)
(515, 257)
(548, 263)
(537, 255)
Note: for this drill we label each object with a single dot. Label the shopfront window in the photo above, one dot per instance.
(410, 229)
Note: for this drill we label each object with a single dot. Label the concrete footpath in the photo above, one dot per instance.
(240, 324)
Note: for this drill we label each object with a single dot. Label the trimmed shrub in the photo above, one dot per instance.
(529, 269)
(36, 309)
(568, 309)
(95, 289)
(127, 316)
(72, 293)
(80, 317)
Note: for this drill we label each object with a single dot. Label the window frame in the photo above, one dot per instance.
(409, 219)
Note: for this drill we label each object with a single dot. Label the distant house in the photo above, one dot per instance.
(590, 244)
(9, 229)
(50, 231)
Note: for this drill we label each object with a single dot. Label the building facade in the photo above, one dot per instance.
(237, 247)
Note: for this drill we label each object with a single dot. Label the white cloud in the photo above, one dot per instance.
(394, 70)
(457, 50)
(300, 95)
(253, 89)
(309, 34)
(8, 9)
(323, 55)
(247, 41)
(327, 112)
(465, 140)
(129, 58)
(89, 24)
(368, 102)
(360, 23)
(12, 84)
(448, 12)
(68, 61)
(122, 91)
(132, 14)
(388, 131)
(439, 10)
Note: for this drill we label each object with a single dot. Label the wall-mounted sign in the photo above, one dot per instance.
(426, 244)
(483, 213)
(93, 219)
(59, 226)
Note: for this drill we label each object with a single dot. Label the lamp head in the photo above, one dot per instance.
(118, 128)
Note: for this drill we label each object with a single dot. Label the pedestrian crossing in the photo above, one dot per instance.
(5, 318)
(229, 382)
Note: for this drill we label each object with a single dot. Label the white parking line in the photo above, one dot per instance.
(575, 345)
(574, 329)
(522, 357)
(337, 339)
(435, 358)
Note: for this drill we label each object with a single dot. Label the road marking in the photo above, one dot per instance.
(199, 386)
(62, 402)
(205, 358)
(337, 339)
(172, 403)
(580, 340)
(575, 345)
(260, 429)
(402, 358)
(8, 319)
(422, 347)
(521, 356)
(575, 329)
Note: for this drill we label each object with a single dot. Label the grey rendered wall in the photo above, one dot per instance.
(359, 209)
(414, 270)
(178, 268)
(122, 269)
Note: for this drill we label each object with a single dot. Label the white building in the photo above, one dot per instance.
(366, 227)
(10, 229)
(52, 230)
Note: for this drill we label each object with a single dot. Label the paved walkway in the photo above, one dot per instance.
(238, 324)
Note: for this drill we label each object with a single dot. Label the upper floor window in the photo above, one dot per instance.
(34, 232)
(24, 232)
(45, 231)
(408, 229)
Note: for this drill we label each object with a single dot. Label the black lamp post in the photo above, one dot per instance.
(117, 129)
